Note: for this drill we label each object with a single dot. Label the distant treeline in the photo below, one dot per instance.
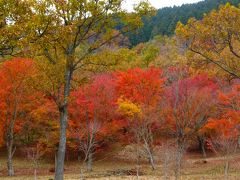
(165, 21)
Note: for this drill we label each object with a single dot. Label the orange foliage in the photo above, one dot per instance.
(14, 92)
(227, 123)
(34, 114)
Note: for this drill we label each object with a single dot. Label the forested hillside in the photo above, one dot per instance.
(76, 102)
(164, 23)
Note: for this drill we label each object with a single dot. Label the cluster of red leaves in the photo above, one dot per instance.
(141, 86)
(189, 102)
(96, 103)
(227, 124)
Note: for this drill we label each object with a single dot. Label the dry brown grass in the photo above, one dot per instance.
(193, 169)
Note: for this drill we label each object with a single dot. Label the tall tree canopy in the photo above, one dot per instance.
(215, 39)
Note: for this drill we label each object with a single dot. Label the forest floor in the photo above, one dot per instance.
(194, 168)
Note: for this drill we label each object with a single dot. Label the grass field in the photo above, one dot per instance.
(107, 169)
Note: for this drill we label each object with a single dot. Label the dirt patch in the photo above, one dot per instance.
(122, 172)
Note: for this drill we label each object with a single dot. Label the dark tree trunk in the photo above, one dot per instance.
(55, 161)
(63, 110)
(62, 146)
(201, 144)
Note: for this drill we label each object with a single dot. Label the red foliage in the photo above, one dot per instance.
(97, 100)
(227, 123)
(141, 86)
(188, 104)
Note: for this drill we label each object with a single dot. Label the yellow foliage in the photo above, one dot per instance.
(129, 109)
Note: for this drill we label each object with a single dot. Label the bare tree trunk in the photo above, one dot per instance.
(63, 109)
(92, 129)
(152, 162)
(227, 162)
(178, 165)
(179, 155)
(10, 150)
(55, 161)
(81, 174)
(138, 155)
(62, 146)
(36, 164)
(10, 153)
(138, 163)
(226, 169)
(168, 155)
(89, 142)
(35, 174)
(79, 152)
(10, 138)
(203, 149)
(165, 167)
(150, 155)
(89, 161)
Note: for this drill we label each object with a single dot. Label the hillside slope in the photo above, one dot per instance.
(165, 21)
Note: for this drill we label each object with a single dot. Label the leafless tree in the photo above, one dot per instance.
(87, 141)
(146, 136)
(226, 147)
(34, 154)
(167, 156)
(141, 127)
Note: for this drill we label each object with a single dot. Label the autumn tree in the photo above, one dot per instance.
(141, 89)
(40, 126)
(14, 96)
(94, 108)
(188, 104)
(214, 39)
(71, 31)
(132, 112)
